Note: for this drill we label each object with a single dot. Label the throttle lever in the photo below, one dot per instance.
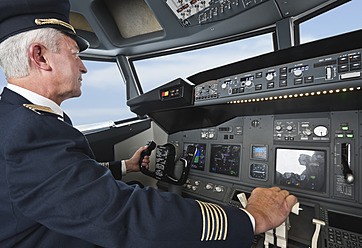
(345, 162)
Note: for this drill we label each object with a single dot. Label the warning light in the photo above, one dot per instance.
(165, 93)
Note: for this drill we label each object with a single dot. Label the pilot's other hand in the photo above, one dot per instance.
(132, 163)
(269, 207)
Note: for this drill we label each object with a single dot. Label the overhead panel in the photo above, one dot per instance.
(195, 12)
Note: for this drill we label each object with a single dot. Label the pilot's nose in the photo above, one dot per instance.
(82, 68)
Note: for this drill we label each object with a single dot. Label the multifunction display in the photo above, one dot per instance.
(225, 159)
(304, 169)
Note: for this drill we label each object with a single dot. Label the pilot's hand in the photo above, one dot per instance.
(269, 207)
(132, 163)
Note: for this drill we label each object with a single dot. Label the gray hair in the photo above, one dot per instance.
(14, 56)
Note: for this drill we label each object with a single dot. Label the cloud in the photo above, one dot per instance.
(82, 116)
(102, 75)
(157, 71)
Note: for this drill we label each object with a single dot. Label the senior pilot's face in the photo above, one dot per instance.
(68, 69)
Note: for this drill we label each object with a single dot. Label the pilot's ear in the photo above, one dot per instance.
(37, 58)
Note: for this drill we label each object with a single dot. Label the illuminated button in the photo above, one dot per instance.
(309, 79)
(259, 75)
(343, 68)
(343, 60)
(282, 83)
(298, 81)
(258, 87)
(270, 85)
(355, 58)
(165, 93)
(355, 66)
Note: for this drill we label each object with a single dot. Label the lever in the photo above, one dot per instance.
(346, 161)
(281, 231)
(318, 224)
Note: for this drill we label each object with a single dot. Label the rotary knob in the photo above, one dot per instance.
(320, 131)
(269, 77)
(248, 83)
(289, 128)
(298, 73)
(278, 127)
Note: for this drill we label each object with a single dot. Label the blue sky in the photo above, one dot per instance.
(104, 96)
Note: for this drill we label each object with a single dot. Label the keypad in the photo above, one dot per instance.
(342, 239)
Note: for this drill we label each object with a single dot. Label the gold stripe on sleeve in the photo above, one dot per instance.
(203, 220)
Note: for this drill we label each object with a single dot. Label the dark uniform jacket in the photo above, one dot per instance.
(54, 194)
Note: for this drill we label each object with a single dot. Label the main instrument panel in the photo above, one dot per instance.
(313, 152)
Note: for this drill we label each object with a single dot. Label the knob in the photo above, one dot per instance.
(278, 127)
(208, 186)
(320, 131)
(248, 83)
(269, 77)
(218, 189)
(289, 128)
(298, 73)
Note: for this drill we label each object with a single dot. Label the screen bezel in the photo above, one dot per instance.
(197, 144)
(326, 153)
(223, 174)
(259, 158)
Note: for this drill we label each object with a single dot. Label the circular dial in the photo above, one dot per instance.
(320, 131)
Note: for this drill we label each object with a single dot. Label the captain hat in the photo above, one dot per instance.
(17, 16)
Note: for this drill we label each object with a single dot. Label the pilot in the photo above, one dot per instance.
(53, 192)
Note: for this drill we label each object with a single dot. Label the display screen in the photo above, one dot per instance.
(304, 169)
(199, 161)
(345, 222)
(259, 152)
(225, 159)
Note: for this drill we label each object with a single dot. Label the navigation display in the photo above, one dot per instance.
(304, 169)
(225, 159)
(199, 161)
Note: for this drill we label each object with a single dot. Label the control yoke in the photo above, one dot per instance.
(166, 159)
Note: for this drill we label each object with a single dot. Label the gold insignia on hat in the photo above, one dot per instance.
(40, 22)
(214, 218)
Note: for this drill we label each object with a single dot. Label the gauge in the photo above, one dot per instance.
(320, 131)
(258, 171)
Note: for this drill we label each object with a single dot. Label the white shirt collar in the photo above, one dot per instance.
(36, 98)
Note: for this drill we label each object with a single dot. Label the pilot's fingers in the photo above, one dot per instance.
(291, 201)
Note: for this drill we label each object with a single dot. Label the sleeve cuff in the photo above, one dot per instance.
(252, 220)
(123, 168)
